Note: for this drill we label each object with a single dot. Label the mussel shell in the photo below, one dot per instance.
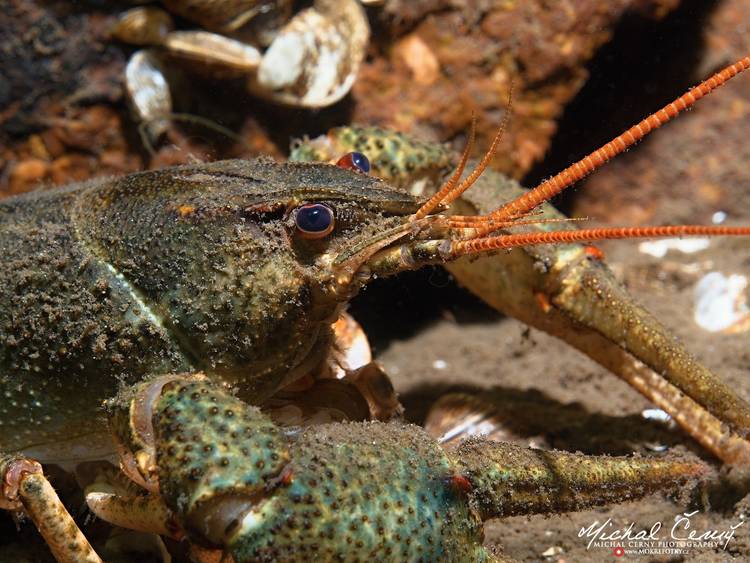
(314, 60)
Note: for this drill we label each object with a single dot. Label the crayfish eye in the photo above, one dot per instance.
(354, 161)
(314, 220)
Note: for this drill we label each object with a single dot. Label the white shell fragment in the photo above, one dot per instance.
(352, 349)
(659, 248)
(148, 92)
(314, 60)
(457, 416)
(721, 303)
(234, 57)
(656, 414)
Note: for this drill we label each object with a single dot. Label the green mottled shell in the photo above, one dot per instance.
(167, 271)
(364, 492)
(211, 447)
(334, 492)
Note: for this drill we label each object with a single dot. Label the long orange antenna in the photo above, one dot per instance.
(430, 205)
(462, 247)
(596, 159)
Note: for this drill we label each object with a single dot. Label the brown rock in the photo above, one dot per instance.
(27, 174)
(71, 168)
(481, 49)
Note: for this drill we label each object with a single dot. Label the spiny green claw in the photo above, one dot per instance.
(363, 491)
(508, 480)
(211, 444)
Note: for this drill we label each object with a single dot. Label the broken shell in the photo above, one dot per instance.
(376, 388)
(225, 56)
(351, 348)
(457, 416)
(148, 92)
(314, 60)
(721, 303)
(143, 26)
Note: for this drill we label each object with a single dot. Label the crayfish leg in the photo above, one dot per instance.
(113, 497)
(24, 487)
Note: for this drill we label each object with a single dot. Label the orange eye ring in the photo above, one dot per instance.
(314, 220)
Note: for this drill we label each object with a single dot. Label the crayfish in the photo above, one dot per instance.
(191, 293)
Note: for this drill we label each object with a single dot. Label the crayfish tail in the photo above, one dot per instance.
(507, 480)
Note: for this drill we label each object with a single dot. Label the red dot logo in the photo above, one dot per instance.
(618, 552)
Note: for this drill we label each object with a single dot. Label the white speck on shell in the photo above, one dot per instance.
(656, 414)
(721, 303)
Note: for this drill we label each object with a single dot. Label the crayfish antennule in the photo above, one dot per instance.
(449, 191)
(456, 192)
(431, 204)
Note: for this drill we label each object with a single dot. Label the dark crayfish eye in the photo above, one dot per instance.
(314, 220)
(354, 161)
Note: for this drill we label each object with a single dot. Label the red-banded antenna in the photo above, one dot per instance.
(476, 245)
(556, 184)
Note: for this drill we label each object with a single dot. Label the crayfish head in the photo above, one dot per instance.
(234, 262)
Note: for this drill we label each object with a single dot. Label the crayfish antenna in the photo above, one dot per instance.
(506, 480)
(553, 186)
(456, 248)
